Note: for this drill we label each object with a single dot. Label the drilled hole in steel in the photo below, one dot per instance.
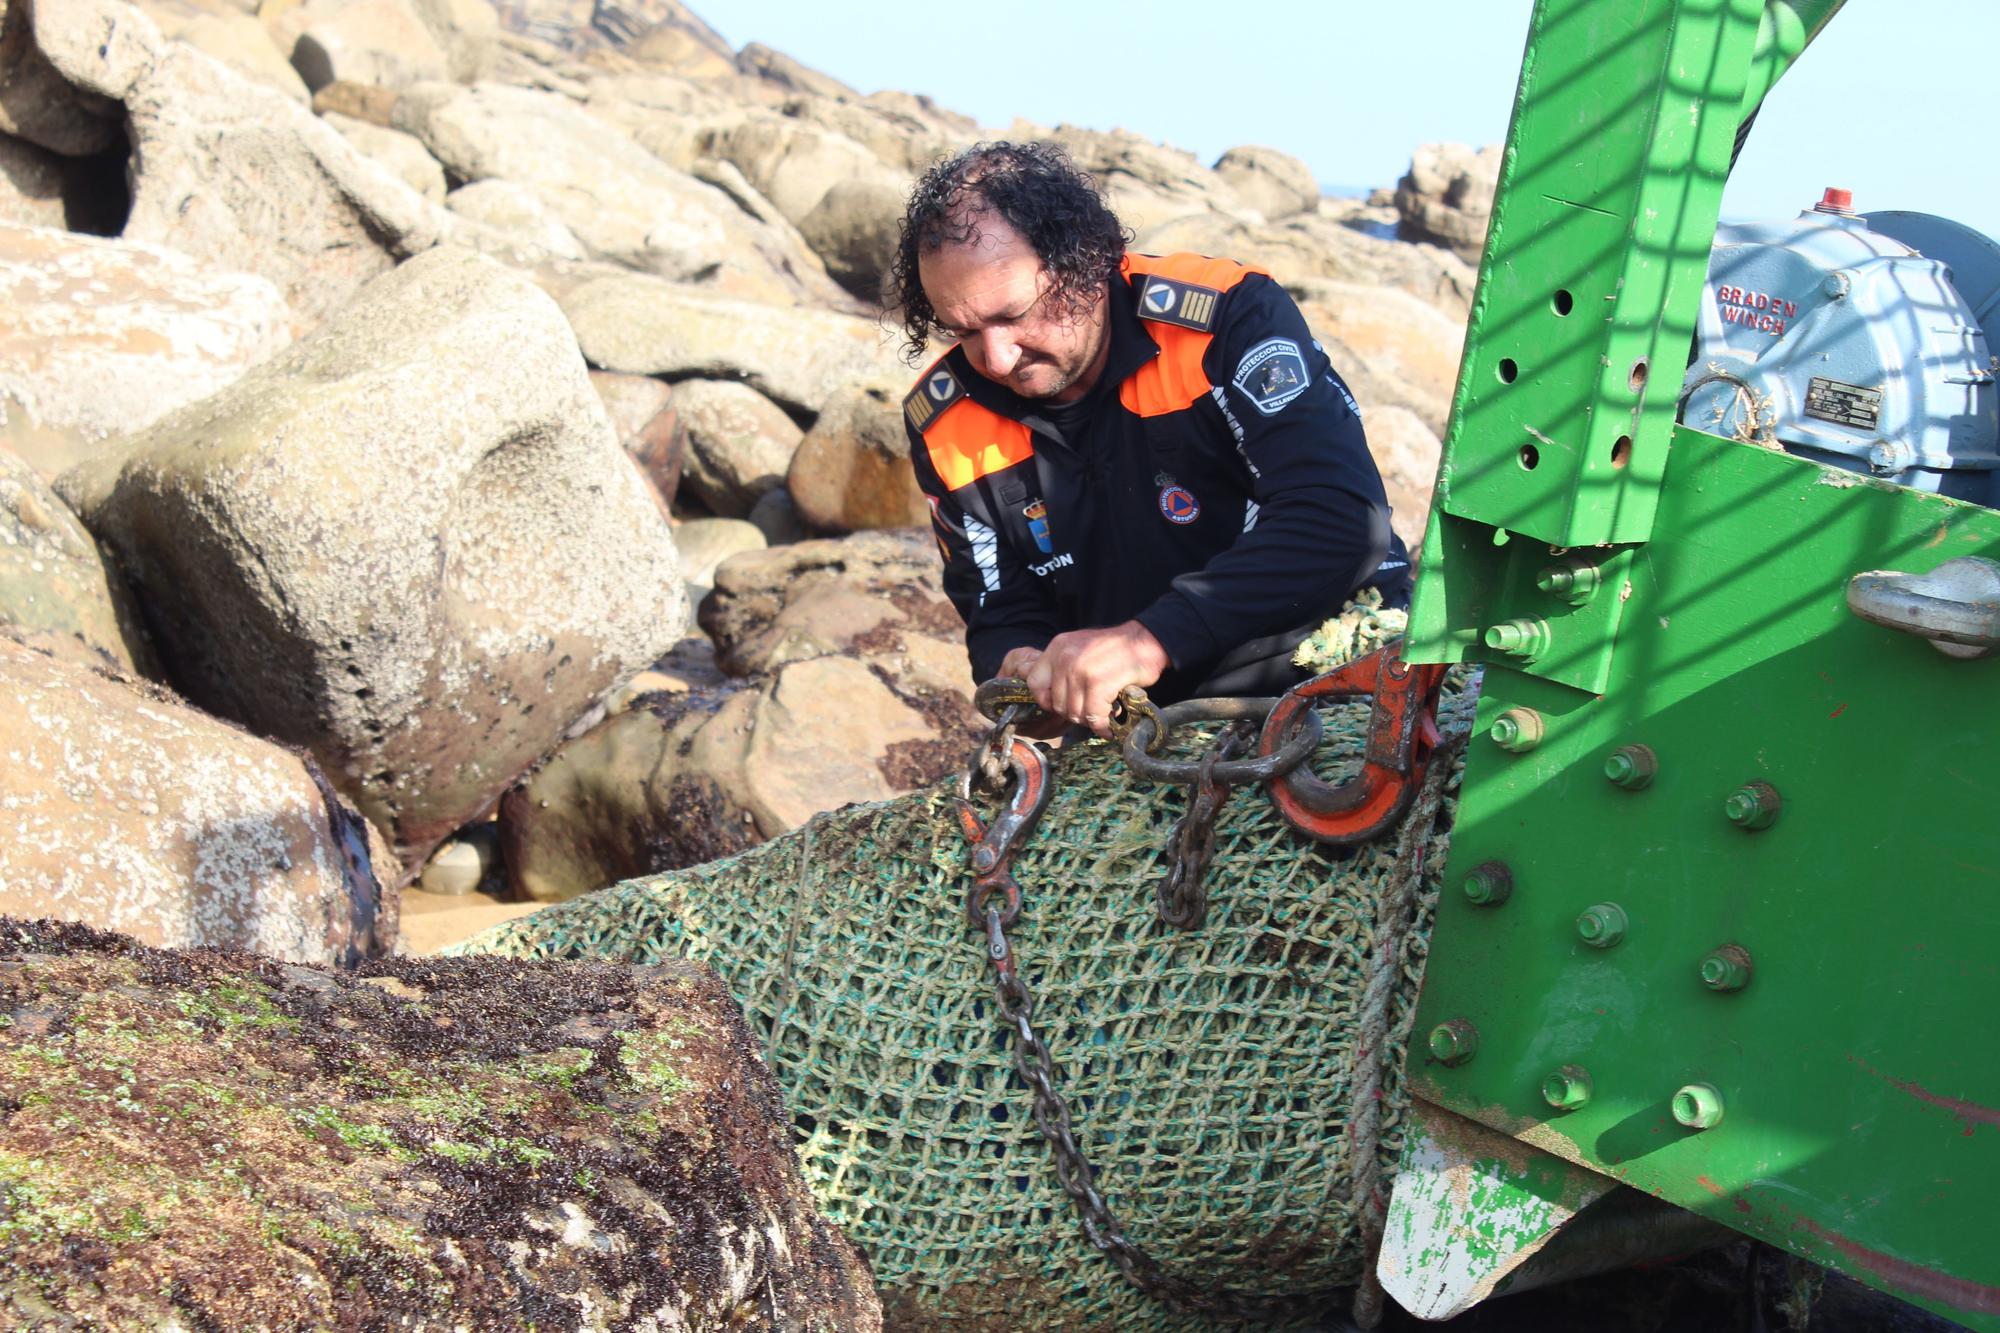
(1530, 456)
(1508, 370)
(1621, 451)
(1561, 302)
(1638, 374)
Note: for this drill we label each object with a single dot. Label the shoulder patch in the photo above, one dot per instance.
(1271, 374)
(936, 391)
(1167, 301)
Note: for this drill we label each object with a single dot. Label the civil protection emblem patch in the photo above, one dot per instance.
(1271, 374)
(1178, 505)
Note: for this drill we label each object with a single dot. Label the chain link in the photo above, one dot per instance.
(1181, 897)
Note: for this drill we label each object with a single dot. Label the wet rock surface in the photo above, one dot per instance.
(212, 1140)
(126, 808)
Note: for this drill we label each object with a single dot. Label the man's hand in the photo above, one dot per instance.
(1080, 673)
(1018, 663)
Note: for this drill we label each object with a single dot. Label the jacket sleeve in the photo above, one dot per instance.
(1004, 606)
(1321, 523)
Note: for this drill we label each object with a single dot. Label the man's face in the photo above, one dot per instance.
(991, 295)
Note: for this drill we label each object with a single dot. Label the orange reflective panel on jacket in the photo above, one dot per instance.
(966, 442)
(1174, 379)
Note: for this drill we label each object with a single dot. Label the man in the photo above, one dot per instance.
(1141, 470)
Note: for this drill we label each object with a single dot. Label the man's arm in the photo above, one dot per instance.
(1322, 521)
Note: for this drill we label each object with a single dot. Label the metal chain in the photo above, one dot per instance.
(1181, 897)
(995, 899)
(1079, 1179)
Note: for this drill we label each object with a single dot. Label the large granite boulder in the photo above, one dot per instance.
(1276, 184)
(234, 37)
(796, 357)
(401, 153)
(228, 170)
(59, 592)
(871, 593)
(39, 104)
(1399, 349)
(1310, 245)
(740, 444)
(410, 544)
(127, 809)
(100, 338)
(1446, 198)
(852, 469)
(622, 202)
(204, 1140)
(851, 685)
(382, 42)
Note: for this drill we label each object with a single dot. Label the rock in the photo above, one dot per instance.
(681, 779)
(795, 357)
(382, 42)
(40, 105)
(852, 469)
(854, 230)
(704, 543)
(619, 800)
(99, 338)
(409, 544)
(228, 170)
(436, 1143)
(463, 864)
(1408, 348)
(58, 592)
(469, 33)
(1406, 451)
(740, 444)
(357, 101)
(1276, 184)
(239, 41)
(776, 515)
(32, 183)
(672, 46)
(775, 67)
(128, 810)
(519, 217)
(1447, 197)
(1312, 246)
(852, 683)
(622, 203)
(648, 427)
(401, 153)
(1146, 183)
(873, 592)
(792, 162)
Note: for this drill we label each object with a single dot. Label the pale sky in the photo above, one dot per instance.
(1888, 103)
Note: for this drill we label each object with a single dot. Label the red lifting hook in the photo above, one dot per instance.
(1402, 732)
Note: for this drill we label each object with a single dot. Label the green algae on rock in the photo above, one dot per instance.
(214, 1140)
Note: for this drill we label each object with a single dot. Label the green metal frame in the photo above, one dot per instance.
(1861, 1104)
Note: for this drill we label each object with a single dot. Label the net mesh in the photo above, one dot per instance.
(1208, 1073)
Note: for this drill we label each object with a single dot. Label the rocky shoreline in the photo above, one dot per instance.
(451, 457)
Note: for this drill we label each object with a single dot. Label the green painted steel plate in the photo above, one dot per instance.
(1858, 1070)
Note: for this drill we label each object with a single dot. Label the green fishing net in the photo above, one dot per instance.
(1210, 1074)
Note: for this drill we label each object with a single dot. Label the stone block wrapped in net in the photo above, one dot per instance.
(1213, 1075)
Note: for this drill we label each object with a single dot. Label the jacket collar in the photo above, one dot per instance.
(1132, 346)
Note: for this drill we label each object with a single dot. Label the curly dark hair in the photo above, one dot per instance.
(1037, 191)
